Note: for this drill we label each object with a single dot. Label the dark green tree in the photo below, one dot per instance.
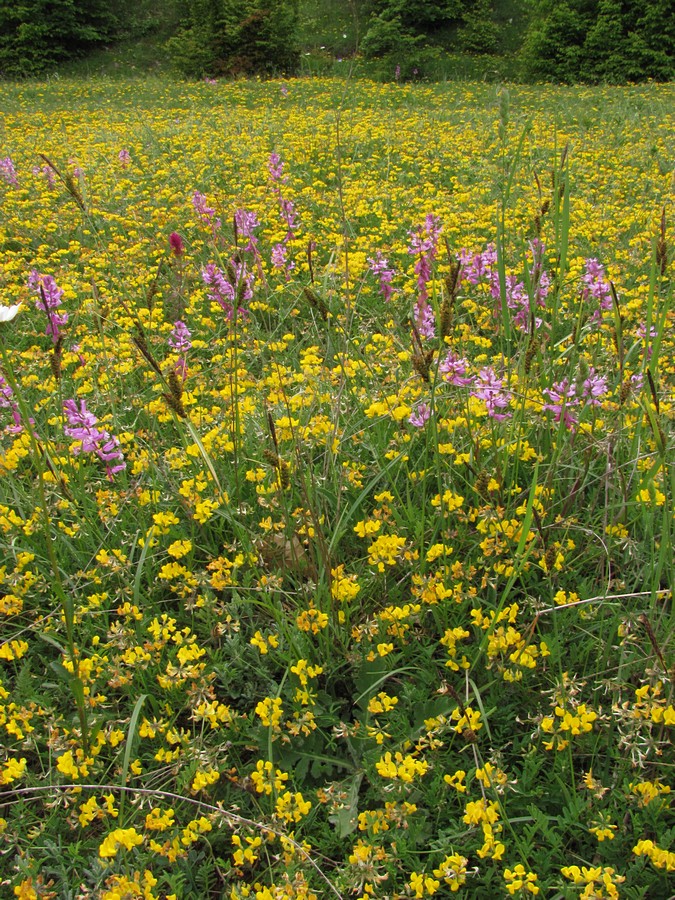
(596, 41)
(35, 35)
(399, 28)
(236, 37)
(479, 32)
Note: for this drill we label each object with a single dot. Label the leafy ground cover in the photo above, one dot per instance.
(337, 491)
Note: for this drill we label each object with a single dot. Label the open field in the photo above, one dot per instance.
(336, 495)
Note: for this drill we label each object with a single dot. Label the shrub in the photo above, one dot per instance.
(35, 35)
(480, 33)
(610, 41)
(237, 37)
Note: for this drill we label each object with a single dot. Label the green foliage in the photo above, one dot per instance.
(480, 33)
(145, 18)
(420, 15)
(236, 37)
(37, 34)
(411, 35)
(389, 36)
(335, 28)
(599, 41)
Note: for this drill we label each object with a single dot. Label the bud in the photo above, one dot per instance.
(176, 243)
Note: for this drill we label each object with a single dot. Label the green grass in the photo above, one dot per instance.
(373, 608)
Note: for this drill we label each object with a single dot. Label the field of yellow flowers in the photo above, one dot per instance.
(336, 495)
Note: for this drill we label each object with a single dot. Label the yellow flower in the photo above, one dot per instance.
(159, 820)
(453, 871)
(88, 811)
(179, 549)
(367, 527)
(264, 643)
(386, 549)
(381, 703)
(245, 855)
(456, 781)
(12, 770)
(311, 620)
(25, 890)
(292, 807)
(121, 837)
(11, 650)
(661, 859)
(270, 711)
(266, 779)
(403, 768)
(423, 885)
(204, 779)
(518, 879)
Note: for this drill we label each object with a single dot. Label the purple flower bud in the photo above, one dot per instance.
(176, 243)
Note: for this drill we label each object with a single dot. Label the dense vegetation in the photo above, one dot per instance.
(336, 491)
(596, 41)
(34, 35)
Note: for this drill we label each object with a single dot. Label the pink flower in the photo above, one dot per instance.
(82, 428)
(563, 398)
(47, 172)
(6, 393)
(49, 298)
(180, 337)
(596, 287)
(491, 390)
(275, 167)
(206, 213)
(223, 291)
(244, 223)
(425, 320)
(424, 245)
(8, 172)
(593, 388)
(380, 266)
(454, 369)
(420, 415)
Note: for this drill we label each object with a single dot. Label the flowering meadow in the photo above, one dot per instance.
(336, 495)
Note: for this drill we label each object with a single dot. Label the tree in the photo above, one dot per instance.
(399, 28)
(236, 37)
(600, 41)
(479, 33)
(35, 35)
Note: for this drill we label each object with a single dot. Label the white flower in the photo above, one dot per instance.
(7, 313)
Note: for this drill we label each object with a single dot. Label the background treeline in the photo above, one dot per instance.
(591, 41)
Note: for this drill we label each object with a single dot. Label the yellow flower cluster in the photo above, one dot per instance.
(567, 723)
(126, 838)
(597, 881)
(519, 879)
(661, 859)
(266, 778)
(402, 768)
(486, 814)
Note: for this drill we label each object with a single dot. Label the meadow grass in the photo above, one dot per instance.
(337, 490)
